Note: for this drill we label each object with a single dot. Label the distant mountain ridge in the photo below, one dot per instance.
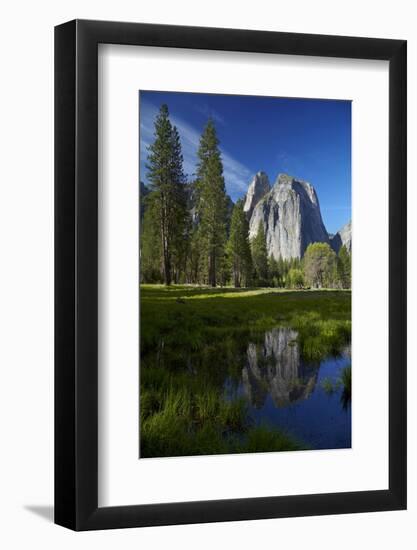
(342, 238)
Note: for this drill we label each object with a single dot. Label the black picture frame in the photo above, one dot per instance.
(76, 271)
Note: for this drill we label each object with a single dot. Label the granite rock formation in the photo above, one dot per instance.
(258, 188)
(342, 238)
(290, 214)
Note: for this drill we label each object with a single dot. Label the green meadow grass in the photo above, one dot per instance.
(191, 337)
(191, 317)
(186, 423)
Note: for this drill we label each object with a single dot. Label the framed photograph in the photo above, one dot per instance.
(230, 255)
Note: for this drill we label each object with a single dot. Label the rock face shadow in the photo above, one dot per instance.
(45, 512)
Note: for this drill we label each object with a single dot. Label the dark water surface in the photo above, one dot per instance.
(281, 389)
(284, 391)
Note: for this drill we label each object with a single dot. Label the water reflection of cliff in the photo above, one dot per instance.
(275, 368)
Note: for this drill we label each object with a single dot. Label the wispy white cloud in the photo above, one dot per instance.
(207, 111)
(236, 174)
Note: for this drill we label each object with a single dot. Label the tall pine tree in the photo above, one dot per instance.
(260, 255)
(181, 217)
(166, 178)
(150, 243)
(238, 248)
(211, 205)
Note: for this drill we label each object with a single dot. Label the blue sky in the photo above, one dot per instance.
(309, 139)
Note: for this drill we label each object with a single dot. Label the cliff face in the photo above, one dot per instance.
(290, 214)
(342, 238)
(257, 189)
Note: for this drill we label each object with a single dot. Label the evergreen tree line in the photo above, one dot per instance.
(210, 246)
